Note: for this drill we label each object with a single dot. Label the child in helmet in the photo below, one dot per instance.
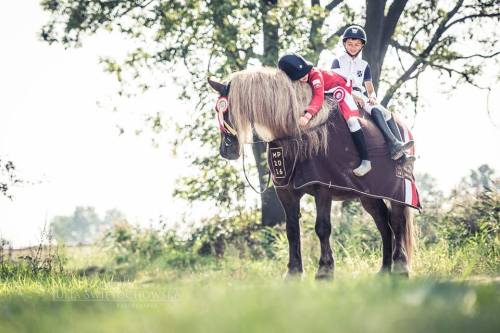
(356, 70)
(321, 81)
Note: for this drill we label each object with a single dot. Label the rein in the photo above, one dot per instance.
(287, 138)
(268, 170)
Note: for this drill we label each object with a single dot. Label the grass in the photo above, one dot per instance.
(238, 295)
(450, 291)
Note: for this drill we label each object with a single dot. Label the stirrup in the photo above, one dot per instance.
(363, 168)
(406, 159)
(398, 149)
(408, 144)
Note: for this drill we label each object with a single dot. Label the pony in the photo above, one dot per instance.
(266, 102)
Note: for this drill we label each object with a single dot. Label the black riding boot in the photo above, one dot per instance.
(359, 142)
(396, 147)
(406, 158)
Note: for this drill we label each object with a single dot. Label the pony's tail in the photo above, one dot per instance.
(409, 234)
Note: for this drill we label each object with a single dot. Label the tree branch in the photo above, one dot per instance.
(399, 82)
(337, 33)
(441, 29)
(423, 55)
(450, 70)
(409, 51)
(420, 29)
(331, 6)
(142, 5)
(398, 46)
(462, 19)
(391, 20)
(484, 56)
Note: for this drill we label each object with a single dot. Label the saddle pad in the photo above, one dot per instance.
(387, 179)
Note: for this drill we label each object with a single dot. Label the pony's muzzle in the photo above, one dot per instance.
(229, 147)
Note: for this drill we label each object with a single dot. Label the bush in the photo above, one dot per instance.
(242, 234)
(473, 219)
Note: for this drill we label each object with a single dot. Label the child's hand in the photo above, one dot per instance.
(359, 101)
(372, 100)
(304, 120)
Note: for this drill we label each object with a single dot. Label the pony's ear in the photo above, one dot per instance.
(217, 86)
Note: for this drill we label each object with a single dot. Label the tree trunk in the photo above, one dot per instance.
(379, 28)
(270, 30)
(272, 211)
(374, 27)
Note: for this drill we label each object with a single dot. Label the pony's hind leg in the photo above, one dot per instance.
(291, 203)
(323, 227)
(402, 226)
(380, 214)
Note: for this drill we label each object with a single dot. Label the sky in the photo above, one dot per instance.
(58, 128)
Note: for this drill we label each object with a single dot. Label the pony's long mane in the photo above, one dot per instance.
(267, 101)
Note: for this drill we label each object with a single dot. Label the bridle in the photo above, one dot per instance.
(221, 107)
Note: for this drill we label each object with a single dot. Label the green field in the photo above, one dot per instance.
(240, 295)
(228, 277)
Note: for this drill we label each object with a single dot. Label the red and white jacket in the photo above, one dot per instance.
(322, 81)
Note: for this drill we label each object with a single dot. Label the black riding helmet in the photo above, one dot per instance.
(354, 32)
(294, 65)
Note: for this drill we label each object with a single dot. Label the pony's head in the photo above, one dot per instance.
(229, 147)
(266, 102)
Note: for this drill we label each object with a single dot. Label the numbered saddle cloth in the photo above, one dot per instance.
(387, 179)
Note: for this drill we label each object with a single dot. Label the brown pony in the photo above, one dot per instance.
(267, 102)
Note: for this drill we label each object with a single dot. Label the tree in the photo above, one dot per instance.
(475, 208)
(483, 178)
(480, 180)
(113, 216)
(84, 226)
(219, 37)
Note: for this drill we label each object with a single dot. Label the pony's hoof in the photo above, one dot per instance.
(401, 269)
(384, 271)
(324, 273)
(292, 276)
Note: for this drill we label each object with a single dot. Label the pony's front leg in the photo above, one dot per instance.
(291, 203)
(323, 229)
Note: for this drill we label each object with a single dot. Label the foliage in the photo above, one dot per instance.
(432, 200)
(242, 234)
(187, 41)
(8, 178)
(134, 248)
(438, 36)
(474, 219)
(44, 260)
(84, 226)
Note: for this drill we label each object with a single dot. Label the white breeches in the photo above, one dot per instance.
(353, 124)
(368, 107)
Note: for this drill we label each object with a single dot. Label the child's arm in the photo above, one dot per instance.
(317, 84)
(370, 90)
(318, 89)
